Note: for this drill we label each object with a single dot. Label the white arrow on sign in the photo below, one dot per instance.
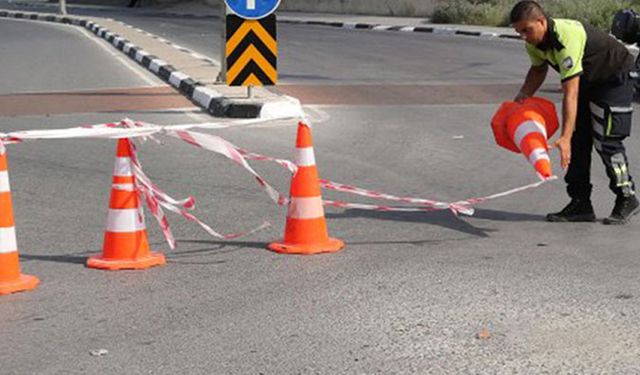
(251, 4)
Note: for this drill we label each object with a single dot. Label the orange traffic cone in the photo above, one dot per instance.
(125, 239)
(525, 128)
(306, 228)
(11, 280)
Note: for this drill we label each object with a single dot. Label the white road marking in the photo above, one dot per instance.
(177, 46)
(315, 114)
(200, 117)
(142, 73)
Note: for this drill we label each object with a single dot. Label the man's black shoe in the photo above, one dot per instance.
(576, 210)
(623, 210)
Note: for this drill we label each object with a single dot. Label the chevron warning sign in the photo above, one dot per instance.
(251, 51)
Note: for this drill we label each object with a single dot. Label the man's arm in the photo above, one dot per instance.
(533, 81)
(570, 89)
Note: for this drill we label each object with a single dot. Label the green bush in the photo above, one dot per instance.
(496, 12)
(472, 12)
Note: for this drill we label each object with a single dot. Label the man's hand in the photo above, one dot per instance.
(564, 145)
(570, 87)
(535, 77)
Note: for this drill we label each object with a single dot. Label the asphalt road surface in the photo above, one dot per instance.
(499, 292)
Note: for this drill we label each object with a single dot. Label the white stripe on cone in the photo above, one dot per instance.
(538, 154)
(125, 187)
(304, 157)
(4, 182)
(8, 240)
(122, 167)
(528, 127)
(305, 208)
(127, 220)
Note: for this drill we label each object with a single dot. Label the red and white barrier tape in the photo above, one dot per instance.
(230, 151)
(121, 129)
(108, 131)
(330, 185)
(459, 207)
(156, 199)
(153, 196)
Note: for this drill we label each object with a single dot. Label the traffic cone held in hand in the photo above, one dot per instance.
(125, 239)
(11, 280)
(525, 128)
(306, 227)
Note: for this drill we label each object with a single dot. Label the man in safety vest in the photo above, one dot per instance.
(596, 107)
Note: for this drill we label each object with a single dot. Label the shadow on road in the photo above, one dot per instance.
(80, 258)
(405, 242)
(212, 248)
(495, 215)
(441, 218)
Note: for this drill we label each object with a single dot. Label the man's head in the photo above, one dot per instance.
(529, 20)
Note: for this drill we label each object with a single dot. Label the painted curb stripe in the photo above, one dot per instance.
(204, 95)
(177, 77)
(155, 65)
(140, 54)
(127, 46)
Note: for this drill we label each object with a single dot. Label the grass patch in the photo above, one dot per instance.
(599, 13)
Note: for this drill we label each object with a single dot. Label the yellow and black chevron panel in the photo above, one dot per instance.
(252, 51)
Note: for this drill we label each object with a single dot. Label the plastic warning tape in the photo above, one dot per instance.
(459, 207)
(151, 194)
(156, 199)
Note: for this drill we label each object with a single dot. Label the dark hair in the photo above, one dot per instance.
(526, 10)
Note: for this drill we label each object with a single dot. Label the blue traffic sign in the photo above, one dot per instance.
(252, 9)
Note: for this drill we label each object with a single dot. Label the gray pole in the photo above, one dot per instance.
(63, 7)
(222, 76)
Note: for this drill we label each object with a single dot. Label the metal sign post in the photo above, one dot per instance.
(63, 7)
(222, 75)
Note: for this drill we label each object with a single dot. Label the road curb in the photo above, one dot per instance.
(207, 98)
(444, 30)
(416, 29)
